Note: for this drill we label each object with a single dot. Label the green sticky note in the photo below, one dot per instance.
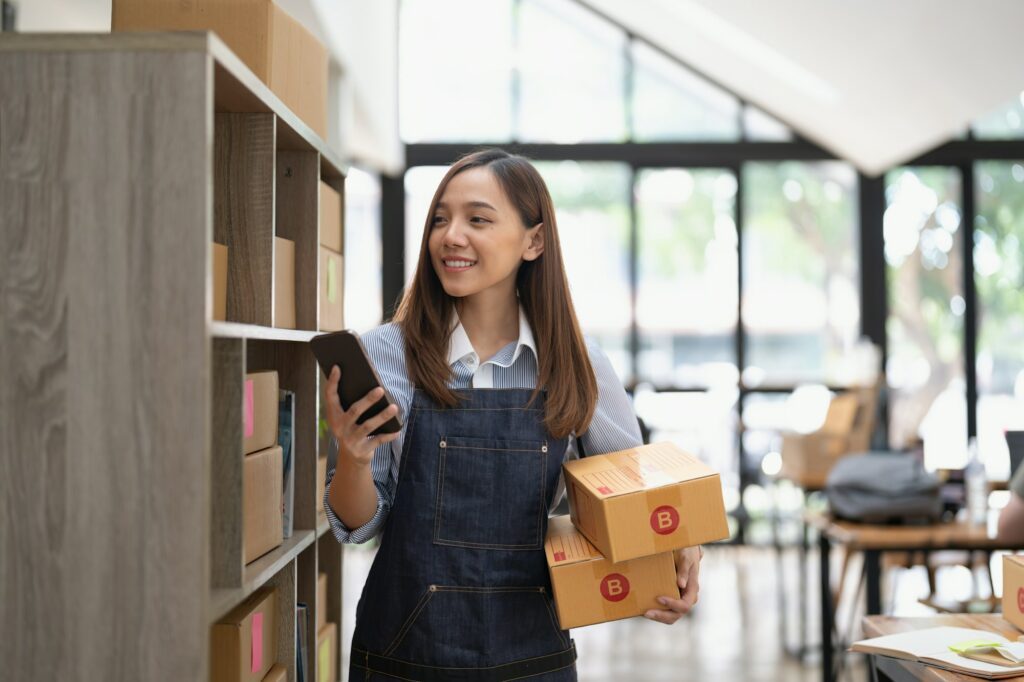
(324, 661)
(961, 647)
(332, 280)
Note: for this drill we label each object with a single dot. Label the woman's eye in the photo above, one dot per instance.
(437, 220)
(479, 220)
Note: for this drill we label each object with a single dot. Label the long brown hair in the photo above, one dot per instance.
(426, 310)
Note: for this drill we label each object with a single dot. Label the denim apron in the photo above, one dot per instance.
(459, 589)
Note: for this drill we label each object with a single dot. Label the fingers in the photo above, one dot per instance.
(334, 410)
(371, 424)
(383, 438)
(677, 608)
(363, 404)
(662, 616)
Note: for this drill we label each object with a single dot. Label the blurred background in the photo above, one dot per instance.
(761, 205)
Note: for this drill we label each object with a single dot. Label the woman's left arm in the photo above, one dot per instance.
(615, 427)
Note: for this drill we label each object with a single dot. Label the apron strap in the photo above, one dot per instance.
(424, 673)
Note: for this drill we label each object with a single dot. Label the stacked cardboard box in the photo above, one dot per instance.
(807, 458)
(244, 643)
(262, 528)
(331, 260)
(629, 511)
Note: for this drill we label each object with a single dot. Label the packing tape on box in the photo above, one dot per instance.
(617, 595)
(665, 517)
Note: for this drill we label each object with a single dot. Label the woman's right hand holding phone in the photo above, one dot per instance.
(355, 445)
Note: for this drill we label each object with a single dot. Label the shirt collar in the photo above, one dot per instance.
(461, 348)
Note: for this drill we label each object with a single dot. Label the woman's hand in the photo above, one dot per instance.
(355, 446)
(687, 572)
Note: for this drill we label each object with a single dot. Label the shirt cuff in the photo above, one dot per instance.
(347, 535)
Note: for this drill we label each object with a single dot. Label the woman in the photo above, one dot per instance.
(493, 380)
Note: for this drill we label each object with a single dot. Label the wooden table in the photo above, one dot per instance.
(897, 670)
(873, 540)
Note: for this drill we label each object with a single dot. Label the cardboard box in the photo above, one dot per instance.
(321, 601)
(262, 529)
(331, 298)
(321, 483)
(278, 49)
(327, 653)
(646, 500)
(590, 589)
(243, 644)
(277, 674)
(807, 458)
(330, 218)
(259, 411)
(219, 256)
(284, 283)
(1013, 589)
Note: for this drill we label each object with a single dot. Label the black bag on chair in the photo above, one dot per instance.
(883, 487)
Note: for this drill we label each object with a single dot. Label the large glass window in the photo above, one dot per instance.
(592, 209)
(455, 70)
(687, 290)
(999, 279)
(924, 255)
(672, 103)
(572, 67)
(363, 259)
(801, 302)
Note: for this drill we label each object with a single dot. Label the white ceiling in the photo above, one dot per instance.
(876, 82)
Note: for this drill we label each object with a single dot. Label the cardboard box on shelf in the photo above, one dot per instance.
(1013, 589)
(259, 411)
(807, 458)
(645, 500)
(243, 644)
(590, 589)
(321, 601)
(330, 218)
(219, 255)
(261, 503)
(321, 483)
(277, 674)
(327, 653)
(276, 47)
(331, 298)
(284, 283)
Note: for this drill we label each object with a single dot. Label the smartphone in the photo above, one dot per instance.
(358, 376)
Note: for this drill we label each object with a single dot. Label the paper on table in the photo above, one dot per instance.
(931, 646)
(1011, 651)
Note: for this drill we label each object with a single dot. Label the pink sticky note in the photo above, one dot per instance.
(257, 642)
(248, 420)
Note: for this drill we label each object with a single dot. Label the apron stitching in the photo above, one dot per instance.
(424, 600)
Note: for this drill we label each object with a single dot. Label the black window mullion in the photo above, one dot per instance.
(741, 361)
(970, 296)
(634, 278)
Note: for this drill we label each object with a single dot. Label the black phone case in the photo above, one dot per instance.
(358, 376)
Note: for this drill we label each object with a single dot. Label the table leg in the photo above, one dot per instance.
(802, 599)
(873, 575)
(824, 550)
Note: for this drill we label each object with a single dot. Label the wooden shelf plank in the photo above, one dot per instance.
(322, 525)
(237, 330)
(258, 573)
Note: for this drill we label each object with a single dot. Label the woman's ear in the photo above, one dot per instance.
(536, 243)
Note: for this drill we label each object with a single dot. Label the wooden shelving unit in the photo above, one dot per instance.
(122, 158)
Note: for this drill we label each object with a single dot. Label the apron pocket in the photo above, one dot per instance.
(491, 494)
(478, 627)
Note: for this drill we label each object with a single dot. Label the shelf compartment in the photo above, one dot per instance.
(297, 201)
(243, 211)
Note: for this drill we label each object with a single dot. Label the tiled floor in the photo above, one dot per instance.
(734, 633)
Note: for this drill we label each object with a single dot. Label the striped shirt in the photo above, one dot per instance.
(614, 425)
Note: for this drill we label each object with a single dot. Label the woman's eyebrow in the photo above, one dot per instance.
(469, 204)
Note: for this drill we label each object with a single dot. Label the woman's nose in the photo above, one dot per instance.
(455, 233)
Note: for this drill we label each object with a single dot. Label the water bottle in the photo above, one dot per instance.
(976, 483)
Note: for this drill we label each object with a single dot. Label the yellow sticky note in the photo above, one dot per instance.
(324, 661)
(332, 280)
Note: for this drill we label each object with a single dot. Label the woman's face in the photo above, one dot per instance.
(477, 240)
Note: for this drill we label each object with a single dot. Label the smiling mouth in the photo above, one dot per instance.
(458, 264)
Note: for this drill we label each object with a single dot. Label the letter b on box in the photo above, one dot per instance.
(664, 520)
(615, 587)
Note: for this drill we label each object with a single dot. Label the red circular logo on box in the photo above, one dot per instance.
(1020, 599)
(664, 520)
(615, 587)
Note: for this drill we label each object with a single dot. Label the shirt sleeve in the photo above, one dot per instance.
(386, 349)
(1017, 482)
(614, 426)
